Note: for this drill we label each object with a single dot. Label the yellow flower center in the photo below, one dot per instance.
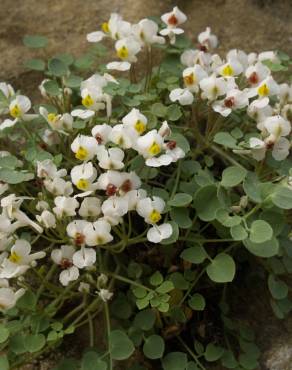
(52, 117)
(99, 240)
(190, 79)
(87, 101)
(227, 70)
(14, 257)
(15, 111)
(263, 90)
(82, 184)
(154, 148)
(105, 27)
(155, 216)
(140, 126)
(81, 153)
(123, 52)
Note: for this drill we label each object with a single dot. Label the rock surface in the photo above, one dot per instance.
(253, 25)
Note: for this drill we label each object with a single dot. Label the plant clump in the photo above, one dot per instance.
(140, 199)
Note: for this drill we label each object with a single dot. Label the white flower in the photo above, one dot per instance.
(111, 158)
(146, 32)
(213, 87)
(65, 206)
(76, 231)
(118, 66)
(259, 110)
(127, 48)
(47, 219)
(8, 297)
(123, 136)
(105, 295)
(207, 39)
(85, 257)
(191, 57)
(19, 106)
(47, 169)
(133, 197)
(98, 233)
(42, 205)
(90, 207)
(115, 28)
(183, 96)
(64, 258)
(82, 113)
(57, 122)
(114, 208)
(101, 133)
(11, 209)
(136, 120)
(151, 209)
(84, 288)
(58, 186)
(157, 233)
(257, 73)
(84, 147)
(20, 259)
(267, 87)
(192, 76)
(7, 91)
(51, 137)
(68, 275)
(172, 20)
(232, 68)
(83, 176)
(7, 123)
(235, 99)
(277, 126)
(150, 145)
(258, 148)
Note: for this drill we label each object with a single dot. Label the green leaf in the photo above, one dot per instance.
(4, 333)
(34, 342)
(52, 88)
(180, 200)
(14, 177)
(35, 64)
(154, 347)
(197, 302)
(248, 362)
(213, 352)
(9, 161)
(57, 67)
(251, 187)
(228, 360)
(68, 59)
(225, 139)
(156, 279)
(267, 249)
(4, 363)
(73, 81)
(282, 197)
(206, 202)
(233, 176)
(174, 112)
(17, 343)
(159, 110)
(91, 361)
(181, 217)
(222, 215)
(175, 361)
(121, 347)
(277, 287)
(238, 232)
(195, 254)
(165, 287)
(27, 301)
(35, 41)
(260, 232)
(145, 320)
(222, 268)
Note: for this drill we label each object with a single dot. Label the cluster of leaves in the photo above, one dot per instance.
(224, 211)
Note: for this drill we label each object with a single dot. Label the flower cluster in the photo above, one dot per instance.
(106, 171)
